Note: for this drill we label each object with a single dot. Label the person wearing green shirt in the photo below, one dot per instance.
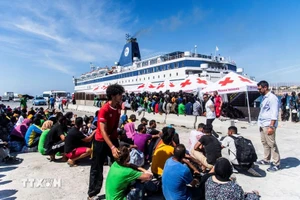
(181, 109)
(45, 128)
(120, 176)
(23, 103)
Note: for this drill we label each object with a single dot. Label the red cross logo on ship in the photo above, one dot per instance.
(185, 83)
(226, 81)
(171, 85)
(104, 87)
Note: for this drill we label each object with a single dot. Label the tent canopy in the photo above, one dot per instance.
(192, 83)
(166, 85)
(232, 83)
(148, 86)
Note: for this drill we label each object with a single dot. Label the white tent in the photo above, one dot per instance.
(233, 83)
(166, 85)
(192, 84)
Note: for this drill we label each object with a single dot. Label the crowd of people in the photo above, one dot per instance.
(177, 172)
(290, 107)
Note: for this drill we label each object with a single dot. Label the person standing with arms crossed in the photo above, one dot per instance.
(268, 122)
(106, 137)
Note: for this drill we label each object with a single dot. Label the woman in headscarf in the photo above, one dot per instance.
(19, 131)
(45, 128)
(220, 185)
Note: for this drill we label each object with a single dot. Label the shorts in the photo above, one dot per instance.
(57, 147)
(76, 152)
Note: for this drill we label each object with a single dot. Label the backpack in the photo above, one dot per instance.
(245, 151)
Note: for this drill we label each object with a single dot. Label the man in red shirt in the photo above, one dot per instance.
(106, 137)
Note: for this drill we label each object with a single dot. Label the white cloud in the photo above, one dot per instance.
(65, 31)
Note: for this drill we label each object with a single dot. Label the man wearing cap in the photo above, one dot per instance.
(144, 121)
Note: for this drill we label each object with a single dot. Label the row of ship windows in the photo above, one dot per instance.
(140, 79)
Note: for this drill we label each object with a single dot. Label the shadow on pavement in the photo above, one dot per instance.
(5, 169)
(289, 162)
(10, 198)
(4, 194)
(5, 182)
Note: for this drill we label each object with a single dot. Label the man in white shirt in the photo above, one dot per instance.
(209, 110)
(195, 136)
(268, 122)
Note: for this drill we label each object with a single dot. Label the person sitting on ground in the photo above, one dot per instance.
(207, 150)
(220, 186)
(45, 128)
(76, 142)
(195, 136)
(141, 138)
(19, 132)
(130, 127)
(55, 140)
(144, 121)
(121, 175)
(228, 141)
(177, 176)
(163, 151)
(153, 131)
(33, 133)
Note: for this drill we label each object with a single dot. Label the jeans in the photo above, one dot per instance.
(61, 107)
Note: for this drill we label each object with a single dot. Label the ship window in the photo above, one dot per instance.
(168, 67)
(150, 70)
(140, 79)
(158, 76)
(170, 75)
(148, 78)
(135, 79)
(176, 73)
(153, 77)
(176, 65)
(157, 69)
(182, 64)
(154, 69)
(132, 80)
(144, 78)
(164, 75)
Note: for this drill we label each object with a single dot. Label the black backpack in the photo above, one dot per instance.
(245, 151)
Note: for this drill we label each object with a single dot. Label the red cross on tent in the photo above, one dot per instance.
(200, 81)
(226, 81)
(185, 83)
(104, 87)
(160, 86)
(171, 85)
(96, 88)
(244, 79)
(141, 86)
(151, 86)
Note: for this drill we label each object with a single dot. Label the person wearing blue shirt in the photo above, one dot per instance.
(177, 176)
(268, 122)
(189, 108)
(33, 134)
(52, 101)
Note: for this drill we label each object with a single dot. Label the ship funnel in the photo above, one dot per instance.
(131, 50)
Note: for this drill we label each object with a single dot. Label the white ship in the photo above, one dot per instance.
(131, 70)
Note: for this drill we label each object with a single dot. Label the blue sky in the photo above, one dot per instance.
(44, 43)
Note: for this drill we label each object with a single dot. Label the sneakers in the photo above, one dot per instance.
(254, 173)
(262, 162)
(273, 168)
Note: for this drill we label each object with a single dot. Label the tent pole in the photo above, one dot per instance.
(248, 106)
